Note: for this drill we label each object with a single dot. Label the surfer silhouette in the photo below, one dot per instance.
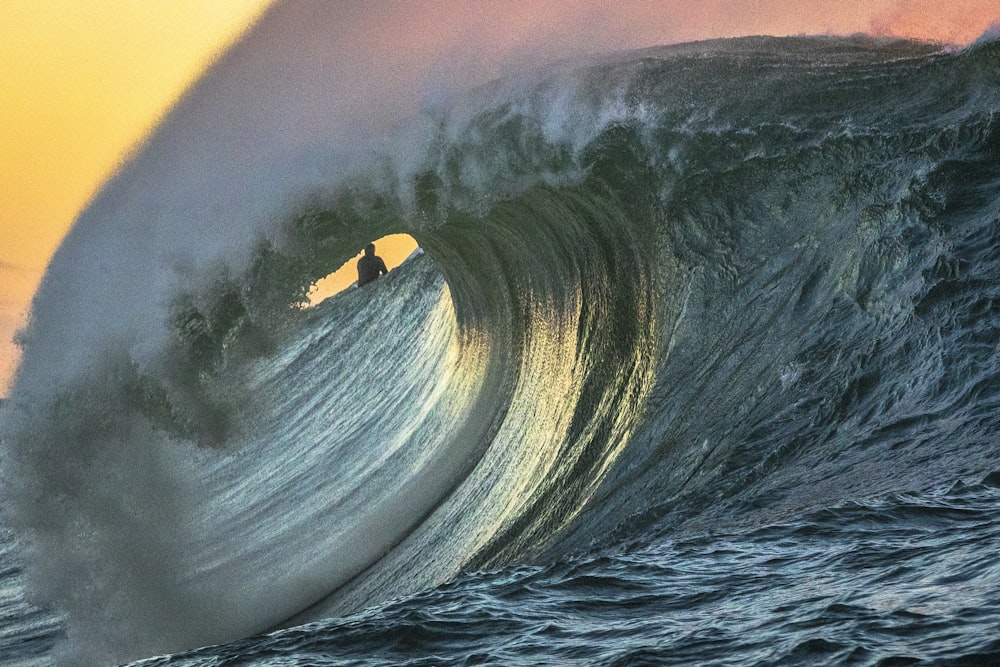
(370, 266)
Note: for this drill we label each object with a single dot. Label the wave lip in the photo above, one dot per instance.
(653, 299)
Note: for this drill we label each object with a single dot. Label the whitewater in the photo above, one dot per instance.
(697, 364)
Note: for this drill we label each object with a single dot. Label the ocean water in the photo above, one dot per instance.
(698, 364)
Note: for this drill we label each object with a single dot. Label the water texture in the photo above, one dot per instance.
(698, 365)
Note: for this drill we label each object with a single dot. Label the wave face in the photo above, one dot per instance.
(662, 292)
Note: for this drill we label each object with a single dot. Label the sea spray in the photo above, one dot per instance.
(667, 292)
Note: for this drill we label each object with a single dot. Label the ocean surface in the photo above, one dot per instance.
(697, 364)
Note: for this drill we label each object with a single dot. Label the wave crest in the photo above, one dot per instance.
(653, 297)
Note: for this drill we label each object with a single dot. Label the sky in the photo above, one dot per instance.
(82, 83)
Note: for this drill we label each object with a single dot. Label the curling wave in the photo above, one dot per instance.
(659, 291)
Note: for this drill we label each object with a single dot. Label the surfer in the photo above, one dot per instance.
(370, 266)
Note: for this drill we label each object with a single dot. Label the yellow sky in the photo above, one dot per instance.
(393, 249)
(81, 81)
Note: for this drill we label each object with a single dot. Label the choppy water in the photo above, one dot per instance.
(698, 366)
(902, 579)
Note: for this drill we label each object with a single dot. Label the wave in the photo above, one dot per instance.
(992, 34)
(661, 291)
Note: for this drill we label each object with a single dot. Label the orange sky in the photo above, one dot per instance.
(393, 249)
(82, 82)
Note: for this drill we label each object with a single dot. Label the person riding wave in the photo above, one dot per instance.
(370, 266)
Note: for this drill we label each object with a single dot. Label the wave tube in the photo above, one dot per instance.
(636, 271)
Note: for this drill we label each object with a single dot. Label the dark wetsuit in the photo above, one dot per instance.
(370, 267)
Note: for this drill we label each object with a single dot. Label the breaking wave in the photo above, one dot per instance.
(658, 291)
